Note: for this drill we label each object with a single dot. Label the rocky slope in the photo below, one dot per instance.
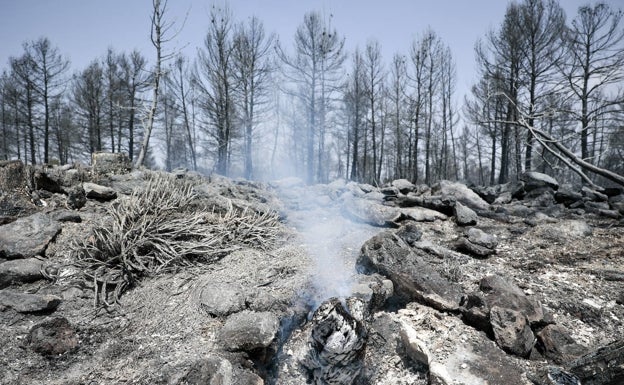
(512, 284)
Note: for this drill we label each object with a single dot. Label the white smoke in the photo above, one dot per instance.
(332, 241)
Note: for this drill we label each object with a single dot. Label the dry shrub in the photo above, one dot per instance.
(157, 228)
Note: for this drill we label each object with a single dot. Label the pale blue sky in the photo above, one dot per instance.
(83, 29)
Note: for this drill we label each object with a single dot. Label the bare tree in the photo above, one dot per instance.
(23, 70)
(542, 23)
(88, 92)
(252, 69)
(315, 69)
(214, 78)
(397, 96)
(159, 35)
(374, 82)
(179, 78)
(134, 81)
(594, 65)
(355, 99)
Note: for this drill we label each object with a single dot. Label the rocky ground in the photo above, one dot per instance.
(512, 284)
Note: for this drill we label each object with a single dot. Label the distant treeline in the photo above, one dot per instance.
(249, 106)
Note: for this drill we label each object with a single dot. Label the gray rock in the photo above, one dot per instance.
(453, 352)
(534, 180)
(566, 229)
(404, 186)
(556, 344)
(464, 245)
(66, 216)
(443, 204)
(222, 299)
(617, 203)
(20, 271)
(52, 337)
(76, 197)
(96, 191)
(501, 308)
(481, 238)
(512, 331)
(29, 303)
(388, 255)
(43, 181)
(27, 237)
(12, 175)
(478, 243)
(409, 233)
(503, 198)
(110, 163)
(421, 214)
(461, 193)
(211, 370)
(567, 195)
(373, 289)
(464, 216)
(249, 330)
(371, 212)
(593, 195)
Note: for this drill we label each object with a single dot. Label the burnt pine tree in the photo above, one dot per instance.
(215, 81)
(314, 68)
(252, 70)
(594, 64)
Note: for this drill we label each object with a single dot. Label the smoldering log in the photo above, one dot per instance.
(337, 344)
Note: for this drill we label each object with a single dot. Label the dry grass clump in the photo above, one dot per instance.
(156, 228)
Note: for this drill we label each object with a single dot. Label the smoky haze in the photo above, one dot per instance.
(331, 240)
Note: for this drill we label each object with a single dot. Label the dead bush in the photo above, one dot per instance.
(157, 228)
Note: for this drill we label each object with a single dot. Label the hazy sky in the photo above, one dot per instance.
(84, 29)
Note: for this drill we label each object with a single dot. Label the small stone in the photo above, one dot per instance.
(19, 271)
(76, 197)
(53, 336)
(249, 330)
(512, 331)
(222, 299)
(96, 191)
(29, 303)
(409, 233)
(479, 237)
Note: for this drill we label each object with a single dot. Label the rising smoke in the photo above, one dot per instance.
(331, 240)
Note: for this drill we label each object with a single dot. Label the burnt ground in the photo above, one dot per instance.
(159, 330)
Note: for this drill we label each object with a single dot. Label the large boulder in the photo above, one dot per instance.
(403, 185)
(27, 237)
(414, 278)
(371, 212)
(461, 193)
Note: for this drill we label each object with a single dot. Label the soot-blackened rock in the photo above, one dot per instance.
(336, 346)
